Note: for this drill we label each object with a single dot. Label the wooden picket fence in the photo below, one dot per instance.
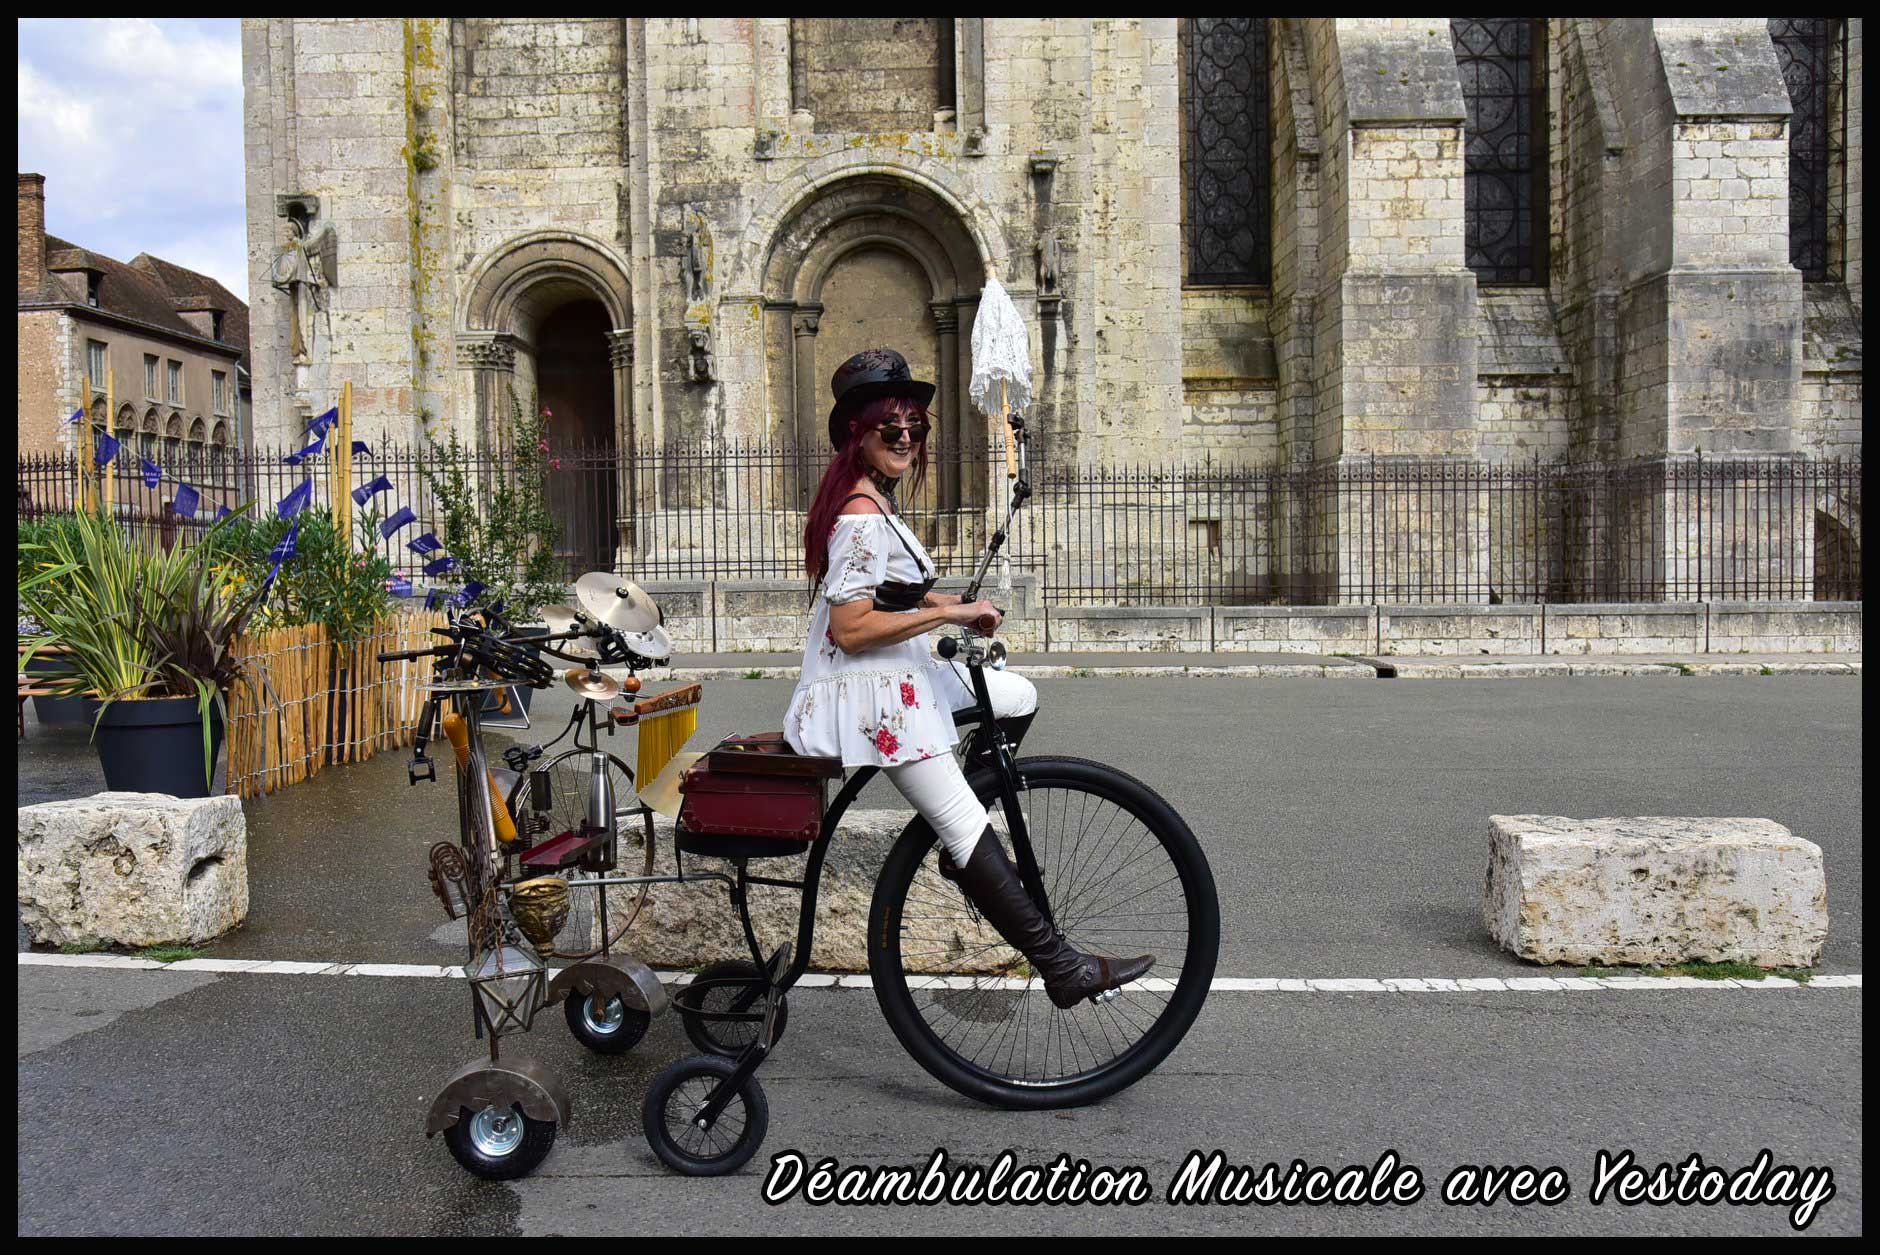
(323, 703)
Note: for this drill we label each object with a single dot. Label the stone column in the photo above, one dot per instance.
(491, 360)
(804, 324)
(802, 121)
(947, 421)
(630, 496)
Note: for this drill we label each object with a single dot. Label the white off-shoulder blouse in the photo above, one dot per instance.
(878, 707)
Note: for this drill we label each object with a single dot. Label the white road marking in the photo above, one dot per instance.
(1154, 984)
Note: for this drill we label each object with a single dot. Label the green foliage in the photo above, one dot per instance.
(328, 582)
(169, 954)
(503, 534)
(138, 621)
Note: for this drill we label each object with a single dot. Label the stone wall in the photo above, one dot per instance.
(841, 181)
(42, 379)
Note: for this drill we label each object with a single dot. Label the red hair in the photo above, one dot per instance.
(848, 466)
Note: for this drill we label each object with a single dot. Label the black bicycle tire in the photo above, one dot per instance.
(916, 1035)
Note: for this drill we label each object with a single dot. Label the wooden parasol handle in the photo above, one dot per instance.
(1011, 437)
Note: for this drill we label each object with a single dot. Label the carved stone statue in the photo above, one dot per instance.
(697, 269)
(304, 268)
(1048, 261)
(703, 368)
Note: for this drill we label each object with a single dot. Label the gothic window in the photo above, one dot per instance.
(1226, 155)
(1809, 52)
(1503, 64)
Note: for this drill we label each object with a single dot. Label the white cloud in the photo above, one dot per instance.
(137, 126)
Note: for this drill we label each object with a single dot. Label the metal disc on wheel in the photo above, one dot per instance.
(619, 603)
(595, 686)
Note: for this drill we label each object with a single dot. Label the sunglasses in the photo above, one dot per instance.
(893, 434)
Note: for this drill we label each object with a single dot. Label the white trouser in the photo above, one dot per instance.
(936, 787)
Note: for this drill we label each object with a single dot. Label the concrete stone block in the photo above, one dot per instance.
(1296, 629)
(1458, 630)
(1670, 628)
(1171, 629)
(132, 869)
(1654, 890)
(1780, 627)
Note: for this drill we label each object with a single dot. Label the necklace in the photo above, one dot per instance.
(884, 485)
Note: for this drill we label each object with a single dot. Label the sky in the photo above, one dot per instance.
(137, 125)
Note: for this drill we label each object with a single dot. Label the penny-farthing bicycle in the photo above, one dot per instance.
(1106, 859)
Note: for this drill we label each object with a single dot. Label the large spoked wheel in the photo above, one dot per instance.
(569, 779)
(734, 987)
(670, 1118)
(1124, 875)
(606, 1026)
(499, 1143)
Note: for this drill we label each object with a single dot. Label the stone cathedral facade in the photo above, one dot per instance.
(1265, 242)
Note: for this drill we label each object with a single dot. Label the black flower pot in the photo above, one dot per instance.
(59, 712)
(155, 746)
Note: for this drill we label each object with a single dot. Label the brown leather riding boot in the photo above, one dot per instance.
(992, 885)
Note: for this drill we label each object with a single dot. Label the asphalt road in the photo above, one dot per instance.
(1347, 825)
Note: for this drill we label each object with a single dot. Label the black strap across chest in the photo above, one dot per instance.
(897, 594)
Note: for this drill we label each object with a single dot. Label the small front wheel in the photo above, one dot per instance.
(499, 1143)
(606, 1026)
(670, 1118)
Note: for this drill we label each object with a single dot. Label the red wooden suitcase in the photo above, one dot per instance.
(753, 798)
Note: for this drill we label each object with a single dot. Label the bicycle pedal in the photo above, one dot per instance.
(1108, 995)
(430, 770)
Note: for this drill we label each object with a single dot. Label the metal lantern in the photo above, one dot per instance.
(509, 987)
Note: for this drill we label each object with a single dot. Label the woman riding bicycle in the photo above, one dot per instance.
(870, 691)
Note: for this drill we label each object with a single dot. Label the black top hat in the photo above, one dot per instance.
(869, 374)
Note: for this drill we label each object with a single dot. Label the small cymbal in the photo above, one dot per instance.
(593, 685)
(654, 644)
(562, 619)
(619, 603)
(661, 794)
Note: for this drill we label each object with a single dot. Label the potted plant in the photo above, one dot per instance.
(44, 664)
(503, 538)
(150, 631)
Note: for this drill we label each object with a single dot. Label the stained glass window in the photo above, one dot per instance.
(1226, 161)
(1806, 49)
(1503, 63)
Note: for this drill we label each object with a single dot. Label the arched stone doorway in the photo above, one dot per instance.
(549, 317)
(869, 262)
(574, 383)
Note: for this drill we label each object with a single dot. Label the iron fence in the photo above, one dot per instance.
(1175, 533)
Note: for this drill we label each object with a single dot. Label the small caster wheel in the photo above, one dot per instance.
(499, 1143)
(609, 1029)
(669, 1117)
(728, 1037)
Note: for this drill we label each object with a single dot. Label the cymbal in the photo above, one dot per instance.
(595, 686)
(561, 619)
(619, 603)
(654, 645)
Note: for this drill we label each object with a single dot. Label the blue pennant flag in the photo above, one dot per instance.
(153, 474)
(403, 518)
(398, 586)
(283, 552)
(296, 501)
(426, 543)
(498, 607)
(319, 425)
(223, 513)
(470, 593)
(187, 499)
(437, 566)
(430, 598)
(76, 415)
(365, 491)
(359, 446)
(312, 450)
(107, 448)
